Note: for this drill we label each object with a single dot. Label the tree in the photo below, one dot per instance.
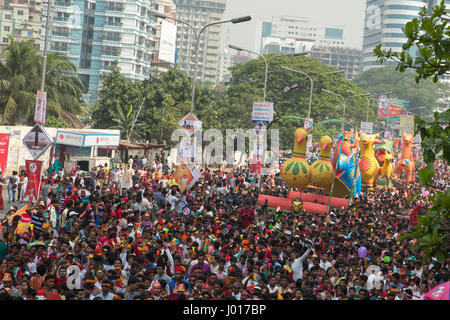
(429, 37)
(247, 83)
(18, 67)
(165, 99)
(20, 79)
(124, 122)
(403, 86)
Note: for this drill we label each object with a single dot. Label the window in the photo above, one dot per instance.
(5, 40)
(20, 12)
(7, 29)
(7, 17)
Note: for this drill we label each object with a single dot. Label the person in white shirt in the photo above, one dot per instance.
(324, 263)
(172, 199)
(297, 264)
(23, 186)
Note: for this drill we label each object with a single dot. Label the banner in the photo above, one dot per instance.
(188, 147)
(308, 125)
(183, 176)
(41, 107)
(34, 174)
(4, 147)
(391, 108)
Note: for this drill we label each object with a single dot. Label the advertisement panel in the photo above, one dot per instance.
(262, 112)
(391, 108)
(167, 42)
(4, 146)
(34, 174)
(406, 124)
(41, 107)
(367, 127)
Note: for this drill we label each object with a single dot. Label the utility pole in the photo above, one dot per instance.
(47, 29)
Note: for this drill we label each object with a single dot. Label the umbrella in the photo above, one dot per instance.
(440, 292)
(36, 243)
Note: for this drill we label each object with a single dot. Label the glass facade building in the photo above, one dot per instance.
(383, 25)
(97, 33)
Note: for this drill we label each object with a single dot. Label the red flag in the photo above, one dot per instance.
(4, 146)
(34, 174)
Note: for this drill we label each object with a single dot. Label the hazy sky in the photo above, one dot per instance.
(346, 13)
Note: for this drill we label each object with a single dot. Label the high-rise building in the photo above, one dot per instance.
(97, 33)
(300, 29)
(165, 36)
(21, 19)
(228, 59)
(343, 59)
(383, 25)
(198, 14)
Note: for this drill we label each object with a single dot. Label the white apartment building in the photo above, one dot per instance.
(198, 14)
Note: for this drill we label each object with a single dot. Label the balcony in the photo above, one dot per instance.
(112, 38)
(58, 48)
(60, 34)
(114, 24)
(111, 53)
(61, 19)
(63, 4)
(116, 9)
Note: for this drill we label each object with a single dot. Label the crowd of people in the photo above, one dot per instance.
(124, 234)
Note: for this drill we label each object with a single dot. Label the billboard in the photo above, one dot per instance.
(391, 108)
(406, 124)
(167, 42)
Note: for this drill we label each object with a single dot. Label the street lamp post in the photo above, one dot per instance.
(311, 79)
(266, 62)
(345, 100)
(198, 35)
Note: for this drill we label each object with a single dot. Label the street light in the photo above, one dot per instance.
(198, 34)
(345, 100)
(312, 82)
(265, 61)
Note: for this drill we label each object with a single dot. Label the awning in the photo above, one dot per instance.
(144, 146)
(87, 139)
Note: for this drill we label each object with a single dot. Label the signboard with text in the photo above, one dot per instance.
(308, 125)
(262, 112)
(367, 127)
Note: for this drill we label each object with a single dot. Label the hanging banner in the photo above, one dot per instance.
(41, 107)
(183, 176)
(406, 124)
(188, 147)
(4, 147)
(34, 174)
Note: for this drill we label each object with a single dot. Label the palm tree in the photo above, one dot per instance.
(20, 79)
(64, 89)
(18, 66)
(124, 122)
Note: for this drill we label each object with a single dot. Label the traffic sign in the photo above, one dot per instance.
(37, 141)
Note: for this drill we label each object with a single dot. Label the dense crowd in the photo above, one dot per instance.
(121, 234)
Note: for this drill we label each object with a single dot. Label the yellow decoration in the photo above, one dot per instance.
(295, 171)
(368, 164)
(387, 170)
(322, 169)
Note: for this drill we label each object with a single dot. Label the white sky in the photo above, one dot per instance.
(346, 13)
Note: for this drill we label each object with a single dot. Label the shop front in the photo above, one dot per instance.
(84, 149)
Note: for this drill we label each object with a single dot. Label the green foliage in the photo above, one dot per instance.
(20, 79)
(430, 37)
(403, 86)
(432, 230)
(247, 83)
(55, 122)
(165, 100)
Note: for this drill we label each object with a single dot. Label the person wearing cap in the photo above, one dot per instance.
(7, 283)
